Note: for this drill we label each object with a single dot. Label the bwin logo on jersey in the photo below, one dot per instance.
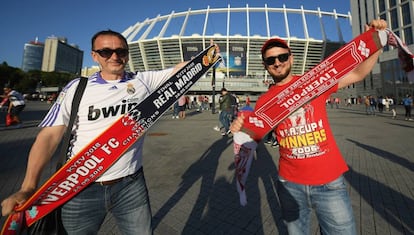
(110, 111)
(130, 89)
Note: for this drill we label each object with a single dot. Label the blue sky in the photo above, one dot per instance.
(77, 20)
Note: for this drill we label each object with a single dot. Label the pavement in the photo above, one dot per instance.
(190, 174)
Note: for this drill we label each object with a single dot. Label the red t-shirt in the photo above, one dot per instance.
(308, 152)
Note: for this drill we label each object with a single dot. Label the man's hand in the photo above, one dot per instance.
(17, 199)
(378, 24)
(237, 124)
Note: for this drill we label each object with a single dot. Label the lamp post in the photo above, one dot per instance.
(213, 85)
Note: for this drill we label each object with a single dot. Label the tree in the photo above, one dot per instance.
(27, 82)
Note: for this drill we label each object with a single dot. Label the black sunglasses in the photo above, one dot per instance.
(271, 59)
(107, 53)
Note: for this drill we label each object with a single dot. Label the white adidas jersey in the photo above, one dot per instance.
(102, 103)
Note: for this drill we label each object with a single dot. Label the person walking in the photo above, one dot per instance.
(310, 173)
(226, 101)
(408, 103)
(247, 100)
(176, 110)
(16, 105)
(182, 106)
(121, 190)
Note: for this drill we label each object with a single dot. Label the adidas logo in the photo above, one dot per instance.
(113, 88)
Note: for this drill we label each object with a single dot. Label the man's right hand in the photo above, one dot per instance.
(17, 199)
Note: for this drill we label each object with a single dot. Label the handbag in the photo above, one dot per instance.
(51, 224)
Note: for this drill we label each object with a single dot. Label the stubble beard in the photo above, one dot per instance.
(279, 78)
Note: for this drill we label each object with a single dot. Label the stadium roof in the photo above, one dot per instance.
(164, 41)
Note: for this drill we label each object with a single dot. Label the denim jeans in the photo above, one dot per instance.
(127, 200)
(330, 201)
(225, 119)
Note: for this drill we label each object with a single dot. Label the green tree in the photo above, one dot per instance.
(27, 82)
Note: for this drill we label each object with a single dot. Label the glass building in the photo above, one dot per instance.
(32, 56)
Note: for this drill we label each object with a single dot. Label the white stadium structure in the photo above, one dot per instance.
(166, 40)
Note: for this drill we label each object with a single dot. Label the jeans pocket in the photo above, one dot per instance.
(338, 183)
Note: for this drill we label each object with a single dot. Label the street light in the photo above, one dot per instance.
(213, 86)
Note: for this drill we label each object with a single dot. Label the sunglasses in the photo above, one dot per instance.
(271, 59)
(107, 53)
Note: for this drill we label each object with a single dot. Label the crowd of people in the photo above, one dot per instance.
(374, 105)
(198, 103)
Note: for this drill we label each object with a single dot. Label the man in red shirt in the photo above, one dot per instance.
(311, 166)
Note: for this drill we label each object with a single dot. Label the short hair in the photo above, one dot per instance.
(111, 33)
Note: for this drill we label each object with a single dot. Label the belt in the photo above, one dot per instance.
(111, 182)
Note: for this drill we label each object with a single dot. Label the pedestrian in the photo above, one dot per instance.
(331, 102)
(247, 100)
(393, 107)
(380, 103)
(16, 106)
(310, 164)
(226, 101)
(367, 105)
(408, 103)
(372, 105)
(121, 190)
(200, 105)
(386, 103)
(205, 103)
(337, 101)
(182, 106)
(176, 110)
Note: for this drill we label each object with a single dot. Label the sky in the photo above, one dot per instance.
(22, 21)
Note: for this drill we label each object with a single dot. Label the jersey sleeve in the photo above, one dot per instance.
(154, 79)
(59, 113)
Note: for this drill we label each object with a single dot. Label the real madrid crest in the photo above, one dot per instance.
(130, 89)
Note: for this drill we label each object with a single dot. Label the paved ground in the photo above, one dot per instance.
(190, 174)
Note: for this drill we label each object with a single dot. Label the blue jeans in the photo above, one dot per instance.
(127, 200)
(330, 201)
(225, 119)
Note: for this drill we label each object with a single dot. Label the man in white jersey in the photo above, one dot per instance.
(16, 104)
(121, 190)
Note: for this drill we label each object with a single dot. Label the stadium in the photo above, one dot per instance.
(166, 40)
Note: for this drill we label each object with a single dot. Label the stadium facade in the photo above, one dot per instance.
(166, 40)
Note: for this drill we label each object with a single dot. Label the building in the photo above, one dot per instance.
(88, 71)
(388, 78)
(163, 41)
(59, 56)
(32, 56)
